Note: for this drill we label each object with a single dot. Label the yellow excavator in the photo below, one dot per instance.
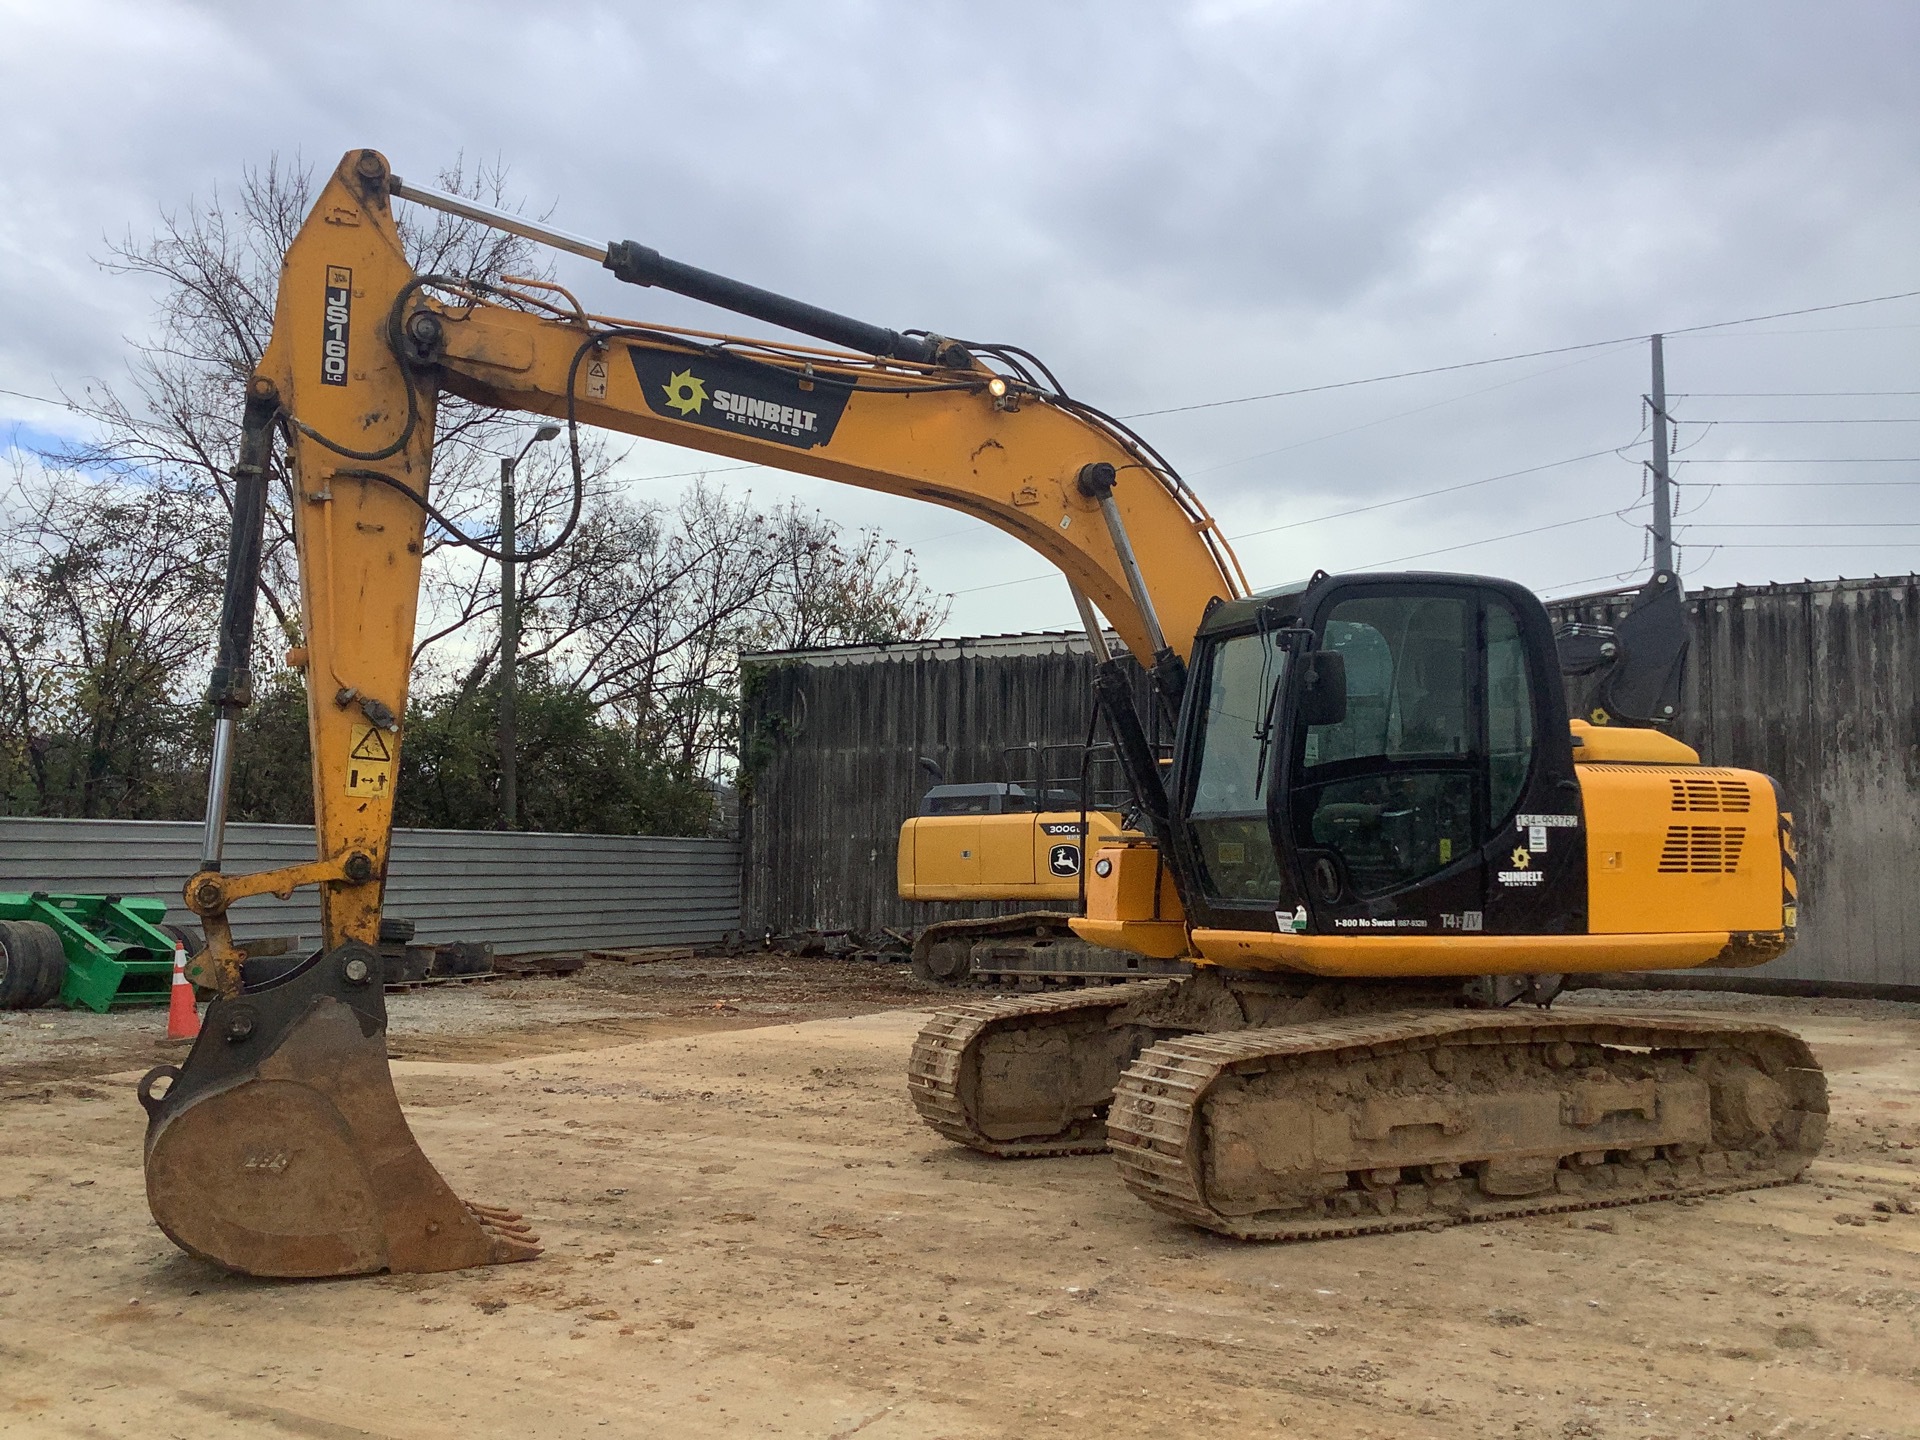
(1023, 841)
(1378, 824)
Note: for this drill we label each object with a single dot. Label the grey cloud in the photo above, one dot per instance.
(1172, 203)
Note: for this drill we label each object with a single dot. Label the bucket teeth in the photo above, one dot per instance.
(512, 1238)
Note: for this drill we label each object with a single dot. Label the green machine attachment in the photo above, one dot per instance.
(113, 952)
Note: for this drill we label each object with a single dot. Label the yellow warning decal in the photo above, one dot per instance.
(370, 763)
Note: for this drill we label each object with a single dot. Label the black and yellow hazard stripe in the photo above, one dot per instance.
(1789, 873)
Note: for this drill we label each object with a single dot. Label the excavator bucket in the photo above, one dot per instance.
(279, 1148)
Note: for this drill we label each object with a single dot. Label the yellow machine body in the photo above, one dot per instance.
(1687, 865)
(1131, 900)
(997, 857)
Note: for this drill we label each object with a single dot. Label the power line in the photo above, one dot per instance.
(1854, 545)
(1423, 495)
(1378, 379)
(1803, 525)
(1003, 584)
(1801, 484)
(1396, 415)
(1781, 395)
(1831, 460)
(1851, 420)
(1819, 330)
(1564, 584)
(688, 474)
(1523, 355)
(1343, 514)
(41, 399)
(1489, 540)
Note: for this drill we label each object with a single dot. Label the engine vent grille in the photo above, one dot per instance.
(1729, 797)
(1702, 850)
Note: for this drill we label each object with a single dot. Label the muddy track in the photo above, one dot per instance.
(1759, 1096)
(995, 1074)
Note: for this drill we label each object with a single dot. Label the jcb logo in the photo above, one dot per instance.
(338, 326)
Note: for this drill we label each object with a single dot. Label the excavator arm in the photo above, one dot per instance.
(361, 349)
(279, 1148)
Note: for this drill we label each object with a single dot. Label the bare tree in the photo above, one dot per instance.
(654, 635)
(216, 267)
(111, 582)
(106, 597)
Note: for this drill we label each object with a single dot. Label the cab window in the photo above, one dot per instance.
(1235, 744)
(1509, 714)
(1390, 789)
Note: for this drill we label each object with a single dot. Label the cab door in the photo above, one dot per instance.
(1445, 802)
(1386, 809)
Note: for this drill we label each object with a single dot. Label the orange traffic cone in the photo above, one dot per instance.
(183, 1020)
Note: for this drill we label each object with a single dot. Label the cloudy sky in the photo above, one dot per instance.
(1174, 204)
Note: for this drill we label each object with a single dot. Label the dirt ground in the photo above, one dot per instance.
(749, 1232)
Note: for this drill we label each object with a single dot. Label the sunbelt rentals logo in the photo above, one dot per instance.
(723, 393)
(686, 392)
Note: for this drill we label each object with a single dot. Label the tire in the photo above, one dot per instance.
(19, 965)
(396, 931)
(188, 936)
(53, 963)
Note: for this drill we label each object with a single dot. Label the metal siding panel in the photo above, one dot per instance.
(518, 891)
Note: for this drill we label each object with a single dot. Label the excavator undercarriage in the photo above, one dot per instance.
(1272, 1109)
(1031, 950)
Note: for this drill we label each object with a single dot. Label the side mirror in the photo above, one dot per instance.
(1323, 697)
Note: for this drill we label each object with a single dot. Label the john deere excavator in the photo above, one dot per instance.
(1023, 841)
(1378, 822)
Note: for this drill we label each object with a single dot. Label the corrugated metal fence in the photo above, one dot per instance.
(831, 768)
(520, 891)
(1817, 684)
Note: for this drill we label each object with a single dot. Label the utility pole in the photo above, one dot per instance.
(510, 637)
(509, 654)
(1662, 492)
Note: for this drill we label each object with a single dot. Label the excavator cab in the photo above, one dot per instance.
(1355, 751)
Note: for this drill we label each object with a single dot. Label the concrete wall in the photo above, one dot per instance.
(521, 892)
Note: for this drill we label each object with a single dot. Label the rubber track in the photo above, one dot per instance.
(941, 1051)
(1155, 1126)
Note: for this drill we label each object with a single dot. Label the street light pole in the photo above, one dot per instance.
(509, 654)
(510, 637)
